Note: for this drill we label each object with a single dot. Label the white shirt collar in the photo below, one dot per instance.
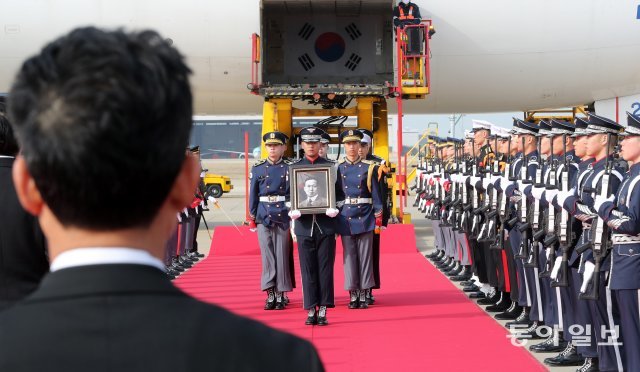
(104, 256)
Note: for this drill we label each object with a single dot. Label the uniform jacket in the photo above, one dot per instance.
(125, 317)
(623, 217)
(325, 225)
(269, 179)
(582, 204)
(357, 180)
(23, 250)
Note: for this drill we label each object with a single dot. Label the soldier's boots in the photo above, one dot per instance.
(322, 316)
(522, 319)
(312, 317)
(590, 365)
(271, 300)
(568, 357)
(370, 299)
(490, 299)
(500, 306)
(279, 301)
(362, 299)
(511, 313)
(353, 299)
(530, 333)
(553, 344)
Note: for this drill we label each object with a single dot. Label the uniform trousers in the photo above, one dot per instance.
(317, 257)
(275, 248)
(512, 285)
(538, 297)
(437, 234)
(588, 347)
(463, 248)
(524, 294)
(628, 301)
(358, 263)
(479, 261)
(604, 317)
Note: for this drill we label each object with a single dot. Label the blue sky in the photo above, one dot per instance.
(420, 123)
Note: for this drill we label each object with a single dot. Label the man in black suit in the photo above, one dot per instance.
(100, 116)
(23, 251)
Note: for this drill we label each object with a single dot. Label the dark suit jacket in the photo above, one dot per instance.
(23, 259)
(126, 317)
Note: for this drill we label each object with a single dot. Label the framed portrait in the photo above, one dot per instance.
(312, 188)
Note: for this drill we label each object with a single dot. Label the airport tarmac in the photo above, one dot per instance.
(232, 211)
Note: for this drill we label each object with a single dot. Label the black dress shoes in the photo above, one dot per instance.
(468, 282)
(568, 357)
(471, 288)
(455, 272)
(477, 294)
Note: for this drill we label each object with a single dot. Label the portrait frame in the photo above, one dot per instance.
(324, 175)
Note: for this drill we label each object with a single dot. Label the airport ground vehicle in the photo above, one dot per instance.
(216, 185)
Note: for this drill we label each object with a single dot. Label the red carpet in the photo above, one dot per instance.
(420, 322)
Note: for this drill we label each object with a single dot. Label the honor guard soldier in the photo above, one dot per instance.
(622, 214)
(324, 145)
(381, 172)
(315, 234)
(268, 193)
(358, 199)
(595, 264)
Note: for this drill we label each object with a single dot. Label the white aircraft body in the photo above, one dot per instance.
(486, 56)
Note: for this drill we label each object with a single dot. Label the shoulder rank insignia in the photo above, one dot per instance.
(260, 162)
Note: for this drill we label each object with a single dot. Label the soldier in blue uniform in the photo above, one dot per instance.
(358, 199)
(381, 171)
(577, 311)
(315, 234)
(580, 203)
(268, 194)
(622, 214)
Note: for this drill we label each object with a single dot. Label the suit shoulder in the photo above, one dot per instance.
(369, 162)
(340, 161)
(259, 162)
(291, 161)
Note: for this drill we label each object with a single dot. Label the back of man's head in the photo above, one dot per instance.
(103, 119)
(8, 144)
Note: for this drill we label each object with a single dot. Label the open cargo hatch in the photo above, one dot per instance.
(326, 46)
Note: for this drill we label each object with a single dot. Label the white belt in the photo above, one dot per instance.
(272, 198)
(625, 239)
(358, 201)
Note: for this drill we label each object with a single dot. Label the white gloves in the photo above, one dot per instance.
(601, 200)
(516, 197)
(551, 194)
(564, 195)
(556, 268)
(589, 268)
(331, 212)
(295, 214)
(505, 181)
(474, 180)
(520, 185)
(212, 199)
(537, 192)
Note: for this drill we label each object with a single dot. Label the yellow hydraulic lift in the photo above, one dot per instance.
(369, 105)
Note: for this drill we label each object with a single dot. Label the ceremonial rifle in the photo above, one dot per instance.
(565, 233)
(601, 242)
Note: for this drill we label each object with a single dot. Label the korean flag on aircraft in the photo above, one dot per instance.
(330, 46)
